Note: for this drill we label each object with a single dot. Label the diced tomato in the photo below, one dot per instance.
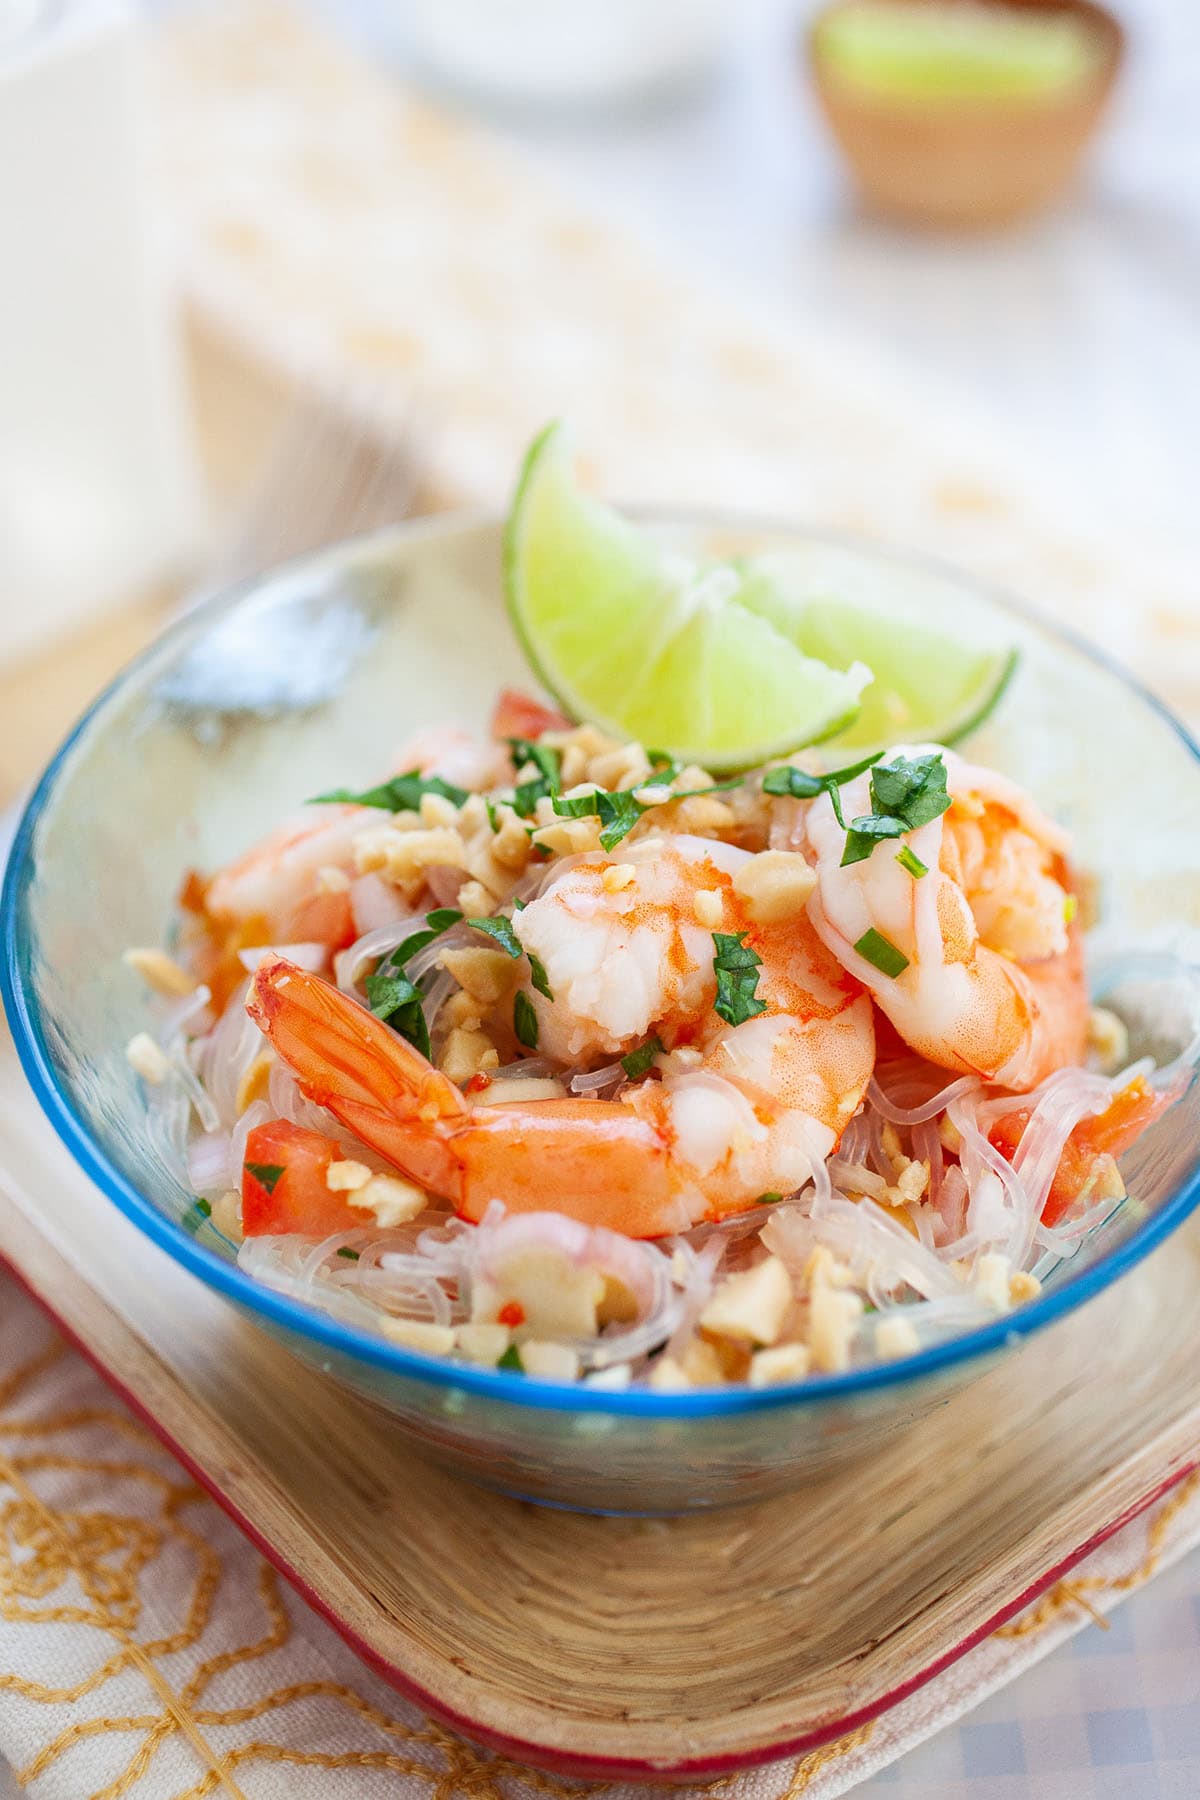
(1109, 1133)
(512, 1314)
(283, 1183)
(516, 715)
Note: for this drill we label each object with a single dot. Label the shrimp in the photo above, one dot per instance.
(742, 1110)
(992, 981)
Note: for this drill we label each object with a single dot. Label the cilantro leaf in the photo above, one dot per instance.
(798, 784)
(908, 859)
(618, 812)
(500, 930)
(349, 1254)
(195, 1215)
(397, 1001)
(881, 951)
(541, 980)
(912, 789)
(736, 967)
(403, 793)
(548, 780)
(864, 833)
(525, 1020)
(768, 1199)
(266, 1174)
(511, 1360)
(546, 761)
(436, 922)
(638, 1061)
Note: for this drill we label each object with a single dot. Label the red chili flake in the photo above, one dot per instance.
(478, 1083)
(512, 1314)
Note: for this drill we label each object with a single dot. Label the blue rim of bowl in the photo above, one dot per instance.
(308, 1322)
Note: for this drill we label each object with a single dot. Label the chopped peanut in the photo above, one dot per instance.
(346, 1177)
(1108, 1039)
(147, 1059)
(332, 880)
(570, 837)
(529, 1087)
(466, 1053)
(1023, 1287)
(785, 1362)
(617, 877)
(708, 907)
(752, 1305)
(549, 1361)
(703, 812)
(487, 975)
(390, 1200)
(891, 1147)
(824, 1269)
(255, 1080)
(618, 1305)
(510, 845)
(895, 1337)
(417, 1334)
(557, 1298)
(912, 1181)
(461, 1009)
(483, 1343)
(655, 794)
(775, 885)
(227, 1215)
(701, 1363)
(991, 1281)
(475, 900)
(667, 1377)
(437, 809)
(833, 1315)
(621, 768)
(949, 1136)
(160, 972)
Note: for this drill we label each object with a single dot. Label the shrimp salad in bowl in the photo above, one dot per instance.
(558, 1054)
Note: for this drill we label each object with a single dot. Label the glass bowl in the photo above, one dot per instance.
(309, 678)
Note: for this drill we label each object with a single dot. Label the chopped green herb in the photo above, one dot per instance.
(500, 930)
(403, 793)
(798, 784)
(768, 1199)
(525, 1021)
(196, 1214)
(639, 1060)
(349, 1254)
(266, 1174)
(493, 820)
(397, 1001)
(618, 813)
(908, 859)
(546, 761)
(512, 1360)
(541, 980)
(736, 967)
(863, 835)
(912, 789)
(436, 922)
(548, 780)
(518, 904)
(664, 768)
(882, 953)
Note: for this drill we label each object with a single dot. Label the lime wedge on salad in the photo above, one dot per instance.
(715, 662)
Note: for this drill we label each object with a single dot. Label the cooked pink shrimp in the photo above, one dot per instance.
(990, 973)
(627, 944)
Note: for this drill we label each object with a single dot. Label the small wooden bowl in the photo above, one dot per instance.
(965, 163)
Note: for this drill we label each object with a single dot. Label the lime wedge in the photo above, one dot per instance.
(928, 688)
(651, 645)
(925, 51)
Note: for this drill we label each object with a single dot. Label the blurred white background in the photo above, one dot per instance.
(1079, 332)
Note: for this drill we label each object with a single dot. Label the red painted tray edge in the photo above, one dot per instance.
(558, 1761)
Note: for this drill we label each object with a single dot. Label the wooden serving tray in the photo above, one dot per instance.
(612, 1646)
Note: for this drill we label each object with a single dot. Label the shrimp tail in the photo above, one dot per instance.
(361, 1071)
